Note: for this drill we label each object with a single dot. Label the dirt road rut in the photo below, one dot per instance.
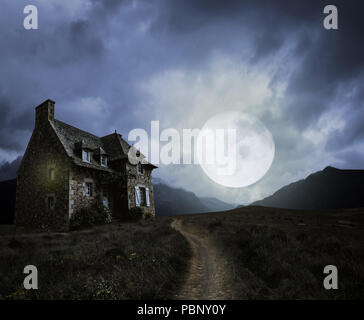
(206, 278)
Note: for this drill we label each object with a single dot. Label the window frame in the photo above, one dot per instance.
(140, 168)
(86, 158)
(143, 196)
(89, 189)
(103, 157)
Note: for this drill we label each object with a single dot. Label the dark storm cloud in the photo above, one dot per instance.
(333, 59)
(8, 140)
(269, 21)
(353, 159)
(330, 58)
(21, 122)
(327, 64)
(334, 56)
(4, 111)
(353, 133)
(92, 56)
(54, 61)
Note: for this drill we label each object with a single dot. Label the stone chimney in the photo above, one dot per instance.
(44, 112)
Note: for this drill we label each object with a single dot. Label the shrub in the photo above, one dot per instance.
(147, 216)
(135, 214)
(89, 216)
(214, 224)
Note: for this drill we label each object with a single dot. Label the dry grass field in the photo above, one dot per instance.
(143, 260)
(246, 253)
(280, 254)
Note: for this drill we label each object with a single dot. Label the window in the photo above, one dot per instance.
(137, 196)
(105, 198)
(142, 196)
(50, 203)
(89, 189)
(140, 168)
(86, 156)
(103, 161)
(51, 174)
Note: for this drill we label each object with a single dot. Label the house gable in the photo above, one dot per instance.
(43, 173)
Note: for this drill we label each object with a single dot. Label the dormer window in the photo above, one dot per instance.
(86, 156)
(103, 160)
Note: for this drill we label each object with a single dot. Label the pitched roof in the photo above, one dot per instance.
(73, 139)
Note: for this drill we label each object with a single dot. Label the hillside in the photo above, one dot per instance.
(330, 188)
(8, 170)
(7, 200)
(214, 204)
(264, 253)
(174, 201)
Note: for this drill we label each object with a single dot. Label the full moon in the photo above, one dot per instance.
(240, 152)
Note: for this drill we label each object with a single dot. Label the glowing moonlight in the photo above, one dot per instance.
(251, 149)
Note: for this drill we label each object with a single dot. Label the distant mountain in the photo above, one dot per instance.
(214, 204)
(8, 170)
(174, 201)
(330, 188)
(7, 200)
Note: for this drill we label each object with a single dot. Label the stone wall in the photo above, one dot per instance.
(137, 179)
(34, 186)
(66, 185)
(78, 199)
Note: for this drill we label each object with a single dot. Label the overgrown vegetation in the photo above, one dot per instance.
(266, 253)
(144, 260)
(134, 214)
(280, 254)
(93, 215)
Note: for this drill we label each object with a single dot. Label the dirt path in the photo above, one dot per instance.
(206, 277)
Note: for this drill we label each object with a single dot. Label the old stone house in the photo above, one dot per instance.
(65, 168)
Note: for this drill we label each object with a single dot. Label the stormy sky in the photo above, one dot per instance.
(113, 64)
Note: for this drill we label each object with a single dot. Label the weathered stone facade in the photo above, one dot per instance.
(142, 180)
(54, 181)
